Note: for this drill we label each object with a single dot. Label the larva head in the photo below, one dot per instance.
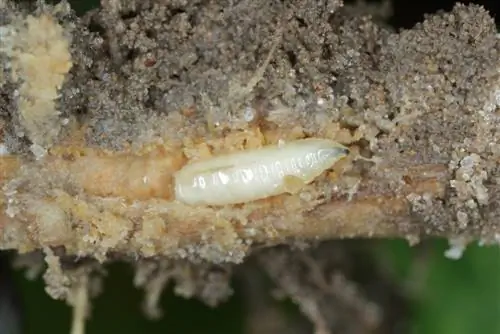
(326, 148)
(320, 154)
(330, 155)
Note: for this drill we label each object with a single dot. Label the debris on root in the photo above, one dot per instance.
(206, 282)
(37, 51)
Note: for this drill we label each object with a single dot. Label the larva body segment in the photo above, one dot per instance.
(256, 174)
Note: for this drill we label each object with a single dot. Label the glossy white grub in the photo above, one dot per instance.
(250, 175)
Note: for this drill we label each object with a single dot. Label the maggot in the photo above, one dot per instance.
(255, 174)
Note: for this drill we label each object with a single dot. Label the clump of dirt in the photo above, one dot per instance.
(442, 84)
(145, 60)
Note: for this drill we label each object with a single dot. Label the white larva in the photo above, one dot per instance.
(256, 174)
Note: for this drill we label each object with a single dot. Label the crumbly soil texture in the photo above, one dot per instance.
(131, 72)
